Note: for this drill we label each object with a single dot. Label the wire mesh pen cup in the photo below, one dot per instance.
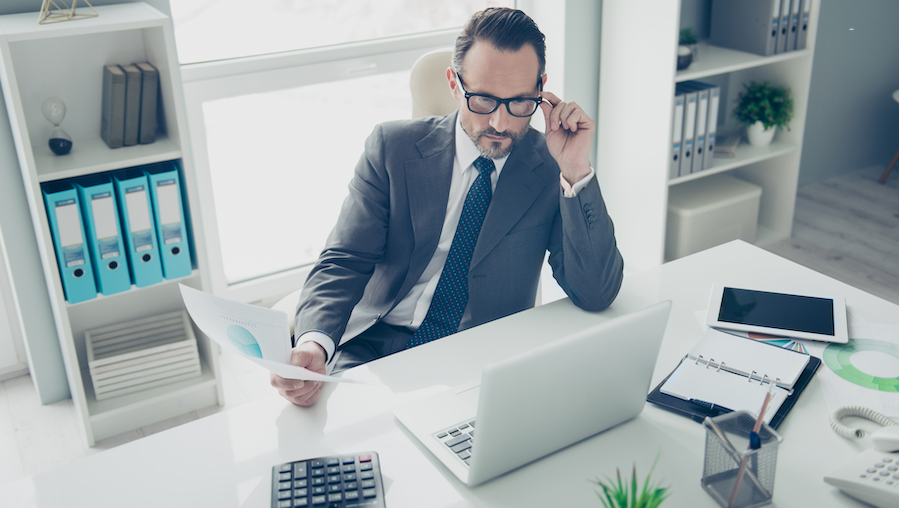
(723, 458)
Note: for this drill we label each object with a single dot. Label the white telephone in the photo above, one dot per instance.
(873, 475)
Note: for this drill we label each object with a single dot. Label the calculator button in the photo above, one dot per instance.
(299, 493)
(317, 491)
(366, 475)
(350, 486)
(284, 468)
(349, 477)
(334, 479)
(318, 472)
(318, 481)
(299, 470)
(284, 486)
(367, 484)
(334, 488)
(334, 470)
(299, 484)
(301, 501)
(333, 461)
(284, 494)
(284, 504)
(318, 463)
(349, 460)
(369, 493)
(283, 476)
(349, 469)
(333, 498)
(365, 467)
(365, 458)
(351, 495)
(318, 499)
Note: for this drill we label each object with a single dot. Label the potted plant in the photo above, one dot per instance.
(626, 493)
(686, 51)
(763, 107)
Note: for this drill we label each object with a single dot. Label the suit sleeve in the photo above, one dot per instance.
(583, 253)
(356, 244)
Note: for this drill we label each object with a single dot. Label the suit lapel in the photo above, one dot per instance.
(427, 186)
(516, 190)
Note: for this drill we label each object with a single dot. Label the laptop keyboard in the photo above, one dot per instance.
(459, 439)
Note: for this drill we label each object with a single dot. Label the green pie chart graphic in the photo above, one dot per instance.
(837, 358)
(243, 340)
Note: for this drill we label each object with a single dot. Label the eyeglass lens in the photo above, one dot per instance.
(481, 104)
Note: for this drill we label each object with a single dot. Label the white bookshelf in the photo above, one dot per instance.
(637, 79)
(66, 60)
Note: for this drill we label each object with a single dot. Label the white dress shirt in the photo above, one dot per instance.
(411, 310)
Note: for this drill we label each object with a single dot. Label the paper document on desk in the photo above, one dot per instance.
(259, 334)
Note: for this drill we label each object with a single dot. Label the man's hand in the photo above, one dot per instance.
(302, 393)
(569, 136)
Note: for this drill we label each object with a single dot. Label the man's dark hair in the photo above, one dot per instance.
(505, 29)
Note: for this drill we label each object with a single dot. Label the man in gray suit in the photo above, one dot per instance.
(448, 218)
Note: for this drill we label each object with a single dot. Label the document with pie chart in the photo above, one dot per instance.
(259, 334)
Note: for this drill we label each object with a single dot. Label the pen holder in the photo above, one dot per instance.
(727, 448)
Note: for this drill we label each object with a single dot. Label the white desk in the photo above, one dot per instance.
(225, 459)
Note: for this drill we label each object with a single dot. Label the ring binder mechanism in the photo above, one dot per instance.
(739, 381)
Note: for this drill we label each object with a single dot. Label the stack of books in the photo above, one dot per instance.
(145, 353)
(129, 104)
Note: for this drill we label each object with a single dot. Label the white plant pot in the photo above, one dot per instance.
(758, 135)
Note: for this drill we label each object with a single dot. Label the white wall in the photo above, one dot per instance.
(12, 349)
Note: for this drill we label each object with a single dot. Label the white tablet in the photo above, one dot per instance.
(811, 317)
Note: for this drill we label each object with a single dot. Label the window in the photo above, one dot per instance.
(279, 105)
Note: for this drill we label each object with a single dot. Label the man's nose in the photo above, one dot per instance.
(500, 118)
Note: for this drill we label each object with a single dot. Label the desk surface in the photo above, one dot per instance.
(225, 459)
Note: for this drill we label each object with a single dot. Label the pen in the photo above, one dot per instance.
(709, 406)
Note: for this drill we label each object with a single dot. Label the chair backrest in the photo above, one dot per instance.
(430, 92)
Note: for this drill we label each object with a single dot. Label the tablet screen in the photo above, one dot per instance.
(776, 310)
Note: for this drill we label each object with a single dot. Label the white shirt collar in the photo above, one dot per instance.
(467, 152)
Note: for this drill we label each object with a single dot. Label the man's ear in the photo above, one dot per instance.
(453, 84)
(544, 81)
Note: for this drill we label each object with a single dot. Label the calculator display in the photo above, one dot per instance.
(775, 310)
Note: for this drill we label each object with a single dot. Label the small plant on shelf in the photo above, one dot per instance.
(627, 494)
(766, 103)
(687, 37)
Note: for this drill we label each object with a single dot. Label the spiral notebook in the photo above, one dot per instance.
(724, 372)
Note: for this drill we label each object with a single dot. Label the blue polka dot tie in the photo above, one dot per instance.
(451, 295)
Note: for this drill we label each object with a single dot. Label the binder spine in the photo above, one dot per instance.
(112, 119)
(132, 104)
(72, 255)
(138, 228)
(148, 91)
(171, 230)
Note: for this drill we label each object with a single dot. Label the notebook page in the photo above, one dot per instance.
(743, 356)
(693, 380)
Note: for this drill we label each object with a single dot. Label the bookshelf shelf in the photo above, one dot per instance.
(746, 154)
(65, 60)
(714, 60)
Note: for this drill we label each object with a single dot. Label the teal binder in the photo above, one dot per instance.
(104, 234)
(168, 211)
(133, 197)
(72, 254)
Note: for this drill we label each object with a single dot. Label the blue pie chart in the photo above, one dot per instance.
(243, 340)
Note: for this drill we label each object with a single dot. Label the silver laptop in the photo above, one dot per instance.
(542, 400)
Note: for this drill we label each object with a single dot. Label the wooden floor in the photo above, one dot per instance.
(846, 227)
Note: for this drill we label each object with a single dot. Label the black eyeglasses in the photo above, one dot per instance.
(521, 107)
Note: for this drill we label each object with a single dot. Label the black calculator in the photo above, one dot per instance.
(345, 481)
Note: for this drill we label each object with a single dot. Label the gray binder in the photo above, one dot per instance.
(794, 24)
(687, 150)
(711, 122)
(702, 115)
(112, 115)
(148, 90)
(802, 37)
(132, 104)
(750, 26)
(677, 136)
(783, 31)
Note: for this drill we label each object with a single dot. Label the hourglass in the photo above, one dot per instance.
(54, 110)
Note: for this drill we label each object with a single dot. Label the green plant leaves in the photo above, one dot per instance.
(628, 494)
(764, 102)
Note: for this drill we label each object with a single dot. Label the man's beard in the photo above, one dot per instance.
(495, 149)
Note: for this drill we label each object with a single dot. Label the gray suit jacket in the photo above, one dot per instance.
(391, 221)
